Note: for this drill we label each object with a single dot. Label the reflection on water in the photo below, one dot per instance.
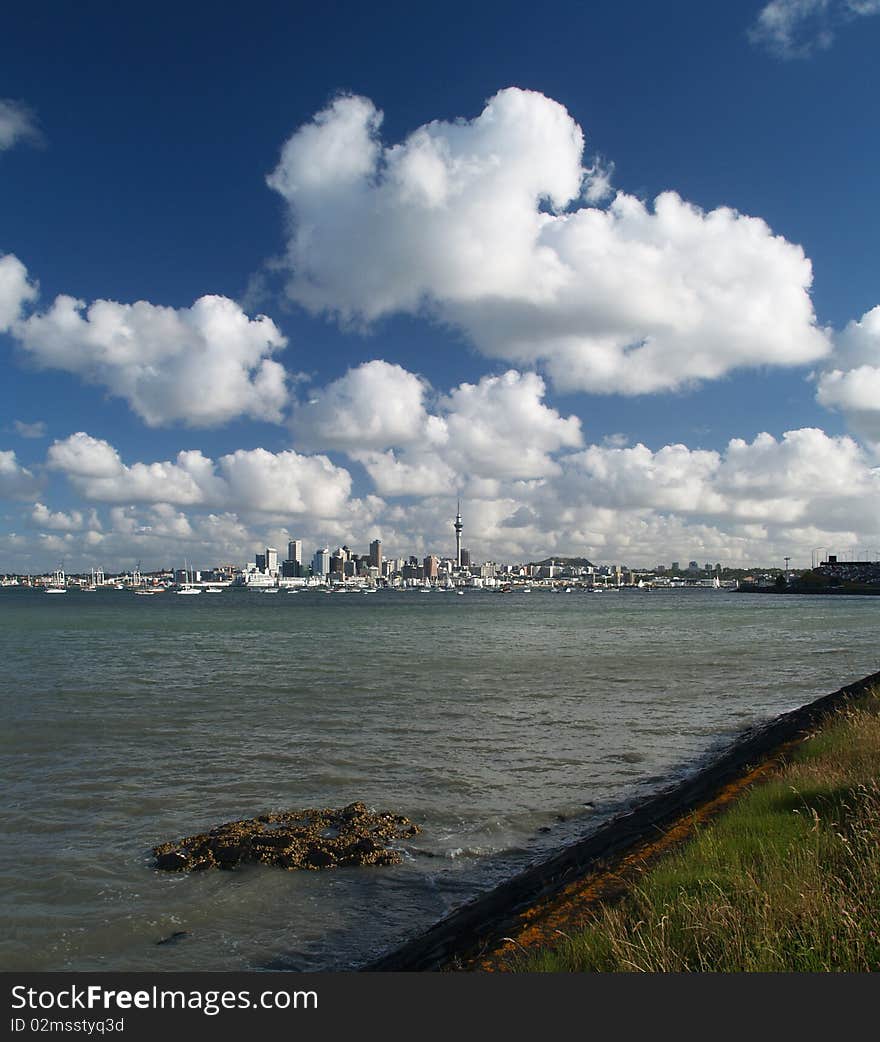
(504, 725)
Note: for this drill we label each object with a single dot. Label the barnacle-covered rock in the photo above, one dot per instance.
(307, 839)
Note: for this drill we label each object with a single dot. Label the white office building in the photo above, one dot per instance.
(321, 562)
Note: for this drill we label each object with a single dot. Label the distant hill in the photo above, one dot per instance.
(565, 562)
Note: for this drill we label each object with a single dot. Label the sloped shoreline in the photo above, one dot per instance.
(480, 926)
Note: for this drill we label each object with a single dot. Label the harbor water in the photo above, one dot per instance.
(505, 725)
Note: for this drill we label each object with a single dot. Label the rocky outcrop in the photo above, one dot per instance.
(309, 839)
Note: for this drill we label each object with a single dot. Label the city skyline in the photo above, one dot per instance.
(324, 300)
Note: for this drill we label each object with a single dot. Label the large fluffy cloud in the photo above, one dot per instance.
(200, 366)
(479, 224)
(806, 477)
(251, 481)
(413, 442)
(373, 406)
(501, 427)
(755, 501)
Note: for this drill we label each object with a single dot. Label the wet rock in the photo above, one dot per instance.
(173, 938)
(171, 861)
(305, 839)
(317, 857)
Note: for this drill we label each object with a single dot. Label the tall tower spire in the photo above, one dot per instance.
(458, 527)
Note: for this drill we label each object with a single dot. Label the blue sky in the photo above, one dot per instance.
(496, 307)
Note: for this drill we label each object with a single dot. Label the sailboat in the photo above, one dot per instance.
(187, 587)
(58, 584)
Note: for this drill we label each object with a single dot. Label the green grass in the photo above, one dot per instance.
(788, 879)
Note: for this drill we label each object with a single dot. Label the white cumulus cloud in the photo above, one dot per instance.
(751, 502)
(16, 290)
(851, 383)
(251, 481)
(200, 366)
(59, 520)
(481, 224)
(413, 442)
(373, 405)
(805, 478)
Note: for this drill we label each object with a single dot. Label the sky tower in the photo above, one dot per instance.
(458, 526)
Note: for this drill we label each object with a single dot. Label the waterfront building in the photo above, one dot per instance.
(376, 554)
(295, 551)
(260, 562)
(321, 562)
(431, 566)
(271, 560)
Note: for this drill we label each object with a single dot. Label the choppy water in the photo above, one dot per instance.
(129, 720)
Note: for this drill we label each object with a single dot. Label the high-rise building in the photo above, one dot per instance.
(465, 561)
(432, 566)
(321, 562)
(376, 554)
(458, 527)
(295, 551)
(271, 560)
(260, 561)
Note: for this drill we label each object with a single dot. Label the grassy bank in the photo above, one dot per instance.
(788, 879)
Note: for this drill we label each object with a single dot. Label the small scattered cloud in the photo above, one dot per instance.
(16, 481)
(597, 181)
(850, 383)
(793, 29)
(16, 291)
(18, 123)
(38, 429)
